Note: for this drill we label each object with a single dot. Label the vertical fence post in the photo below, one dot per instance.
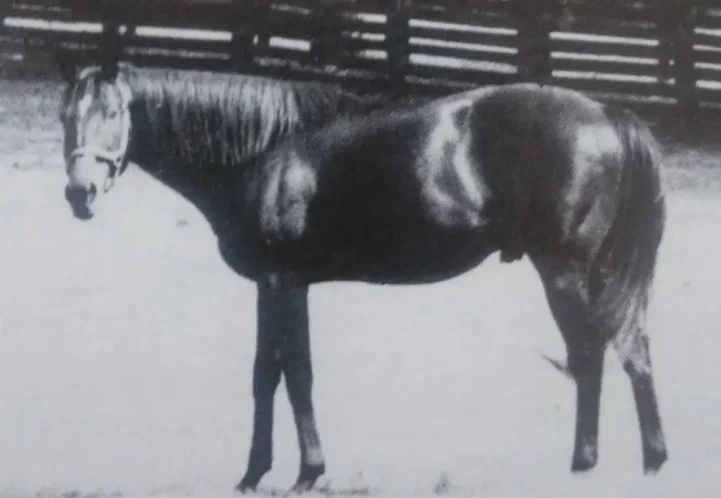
(676, 22)
(111, 48)
(328, 24)
(260, 17)
(397, 42)
(132, 16)
(535, 21)
(241, 42)
(664, 30)
(319, 35)
(4, 10)
(323, 24)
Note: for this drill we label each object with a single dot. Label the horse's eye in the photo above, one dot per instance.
(112, 114)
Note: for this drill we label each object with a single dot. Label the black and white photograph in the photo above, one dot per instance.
(377, 248)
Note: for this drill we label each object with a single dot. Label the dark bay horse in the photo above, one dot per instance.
(409, 196)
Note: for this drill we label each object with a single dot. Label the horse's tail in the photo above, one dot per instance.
(623, 271)
(625, 266)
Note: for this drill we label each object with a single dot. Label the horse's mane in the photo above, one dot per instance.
(223, 119)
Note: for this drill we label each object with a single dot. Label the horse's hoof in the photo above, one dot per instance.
(307, 478)
(584, 458)
(580, 466)
(246, 485)
(584, 464)
(654, 461)
(257, 468)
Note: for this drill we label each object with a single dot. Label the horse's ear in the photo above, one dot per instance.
(68, 69)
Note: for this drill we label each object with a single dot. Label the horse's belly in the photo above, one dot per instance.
(409, 260)
(386, 254)
(407, 245)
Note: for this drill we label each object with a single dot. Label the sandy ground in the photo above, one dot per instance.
(126, 349)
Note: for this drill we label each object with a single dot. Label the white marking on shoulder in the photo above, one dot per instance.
(299, 176)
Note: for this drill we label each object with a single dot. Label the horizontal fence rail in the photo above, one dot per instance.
(658, 51)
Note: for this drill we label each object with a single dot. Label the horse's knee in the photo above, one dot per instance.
(266, 377)
(266, 388)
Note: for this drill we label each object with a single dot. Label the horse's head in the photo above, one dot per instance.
(95, 115)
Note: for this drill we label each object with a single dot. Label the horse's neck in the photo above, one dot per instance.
(205, 166)
(213, 189)
(218, 129)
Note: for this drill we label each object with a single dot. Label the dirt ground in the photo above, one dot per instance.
(126, 349)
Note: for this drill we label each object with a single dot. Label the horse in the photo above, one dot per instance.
(413, 195)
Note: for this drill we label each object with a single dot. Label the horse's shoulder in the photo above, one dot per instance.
(291, 182)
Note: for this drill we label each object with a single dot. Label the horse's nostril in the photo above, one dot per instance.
(78, 196)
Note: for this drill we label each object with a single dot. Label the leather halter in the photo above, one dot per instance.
(114, 158)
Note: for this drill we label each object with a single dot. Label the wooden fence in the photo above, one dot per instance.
(662, 51)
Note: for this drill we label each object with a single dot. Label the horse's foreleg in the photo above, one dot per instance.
(266, 377)
(297, 368)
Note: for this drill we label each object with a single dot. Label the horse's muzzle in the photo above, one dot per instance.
(80, 198)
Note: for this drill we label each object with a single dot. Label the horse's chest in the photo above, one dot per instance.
(235, 254)
(270, 221)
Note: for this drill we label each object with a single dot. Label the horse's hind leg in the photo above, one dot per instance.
(633, 350)
(587, 327)
(586, 346)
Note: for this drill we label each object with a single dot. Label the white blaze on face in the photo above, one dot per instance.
(84, 105)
